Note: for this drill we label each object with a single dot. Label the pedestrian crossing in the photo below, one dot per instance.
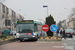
(68, 47)
(68, 39)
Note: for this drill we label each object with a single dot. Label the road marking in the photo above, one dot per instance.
(48, 42)
(69, 39)
(45, 42)
(73, 39)
(65, 44)
(58, 46)
(69, 47)
(51, 42)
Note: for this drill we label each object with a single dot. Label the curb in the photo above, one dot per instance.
(49, 40)
(8, 41)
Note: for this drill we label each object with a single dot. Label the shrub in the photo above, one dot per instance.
(3, 38)
(3, 35)
(8, 37)
(49, 37)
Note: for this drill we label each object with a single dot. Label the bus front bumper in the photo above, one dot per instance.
(28, 38)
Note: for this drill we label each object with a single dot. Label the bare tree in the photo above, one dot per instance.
(72, 12)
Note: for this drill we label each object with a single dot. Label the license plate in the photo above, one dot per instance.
(68, 34)
(25, 38)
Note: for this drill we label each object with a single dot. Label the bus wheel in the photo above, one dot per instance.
(20, 40)
(36, 39)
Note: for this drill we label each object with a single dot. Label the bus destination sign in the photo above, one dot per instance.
(25, 21)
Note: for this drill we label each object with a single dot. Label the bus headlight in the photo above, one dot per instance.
(33, 34)
(18, 34)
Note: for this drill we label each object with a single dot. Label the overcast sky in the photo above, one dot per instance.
(33, 9)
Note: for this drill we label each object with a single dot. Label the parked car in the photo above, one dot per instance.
(69, 33)
(11, 33)
(14, 33)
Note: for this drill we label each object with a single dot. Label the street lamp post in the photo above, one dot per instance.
(13, 26)
(64, 21)
(47, 14)
(25, 15)
(68, 9)
(47, 8)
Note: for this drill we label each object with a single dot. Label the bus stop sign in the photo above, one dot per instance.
(45, 28)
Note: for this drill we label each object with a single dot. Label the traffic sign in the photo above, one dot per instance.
(44, 6)
(45, 28)
(53, 28)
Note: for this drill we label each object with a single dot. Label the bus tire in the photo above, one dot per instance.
(20, 40)
(36, 39)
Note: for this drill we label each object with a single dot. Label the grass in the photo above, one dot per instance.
(3, 37)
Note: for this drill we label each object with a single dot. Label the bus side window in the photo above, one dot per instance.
(35, 27)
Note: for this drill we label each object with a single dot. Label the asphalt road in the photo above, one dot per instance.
(32, 45)
(69, 43)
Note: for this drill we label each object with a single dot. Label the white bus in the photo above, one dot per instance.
(28, 29)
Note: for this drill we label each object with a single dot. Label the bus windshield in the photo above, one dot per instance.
(25, 28)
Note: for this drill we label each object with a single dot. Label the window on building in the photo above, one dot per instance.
(14, 25)
(12, 13)
(9, 23)
(5, 22)
(3, 16)
(3, 9)
(7, 10)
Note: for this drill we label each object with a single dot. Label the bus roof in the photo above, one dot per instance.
(37, 22)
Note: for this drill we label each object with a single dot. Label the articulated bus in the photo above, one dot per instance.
(28, 29)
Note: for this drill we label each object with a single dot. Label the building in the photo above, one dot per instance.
(67, 23)
(19, 17)
(3, 16)
(8, 18)
(63, 23)
(72, 23)
(11, 19)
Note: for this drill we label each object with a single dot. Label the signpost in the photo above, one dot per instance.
(45, 28)
(53, 28)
